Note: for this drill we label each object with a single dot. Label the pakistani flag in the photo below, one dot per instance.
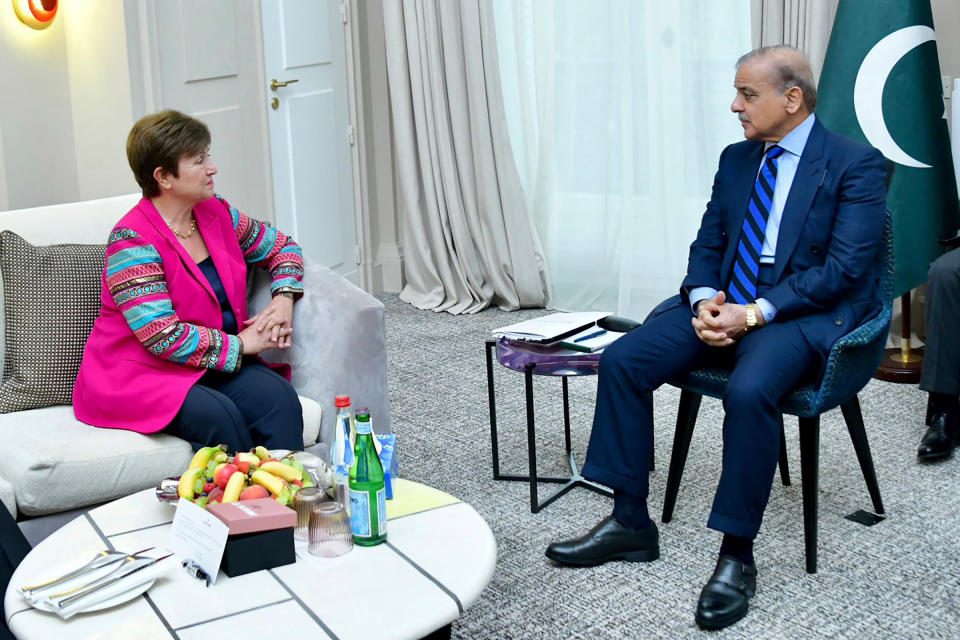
(881, 84)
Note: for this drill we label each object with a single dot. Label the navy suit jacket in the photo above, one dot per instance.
(827, 262)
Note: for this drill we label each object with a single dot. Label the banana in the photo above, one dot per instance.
(281, 471)
(261, 452)
(268, 481)
(187, 480)
(202, 457)
(220, 456)
(234, 487)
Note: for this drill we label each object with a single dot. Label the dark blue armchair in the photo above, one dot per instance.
(852, 361)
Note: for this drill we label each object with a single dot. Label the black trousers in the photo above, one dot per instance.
(941, 358)
(252, 407)
(13, 548)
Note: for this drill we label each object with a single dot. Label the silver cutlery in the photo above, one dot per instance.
(102, 559)
(130, 566)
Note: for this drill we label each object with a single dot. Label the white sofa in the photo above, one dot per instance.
(52, 462)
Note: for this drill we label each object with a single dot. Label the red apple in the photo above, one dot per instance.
(208, 487)
(244, 461)
(222, 475)
(215, 496)
(299, 483)
(254, 492)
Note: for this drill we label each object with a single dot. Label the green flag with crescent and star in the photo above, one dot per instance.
(881, 84)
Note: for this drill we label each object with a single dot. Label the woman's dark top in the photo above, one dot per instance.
(210, 271)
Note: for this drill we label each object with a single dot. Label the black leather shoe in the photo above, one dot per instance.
(724, 598)
(607, 541)
(941, 437)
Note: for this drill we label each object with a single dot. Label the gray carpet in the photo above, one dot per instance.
(897, 579)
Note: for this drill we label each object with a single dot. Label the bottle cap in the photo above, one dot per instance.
(362, 413)
(342, 401)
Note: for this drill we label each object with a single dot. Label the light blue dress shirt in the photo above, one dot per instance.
(792, 144)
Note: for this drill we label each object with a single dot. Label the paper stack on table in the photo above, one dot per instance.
(550, 328)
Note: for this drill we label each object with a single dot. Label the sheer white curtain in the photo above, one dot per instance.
(618, 111)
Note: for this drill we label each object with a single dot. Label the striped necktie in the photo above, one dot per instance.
(743, 281)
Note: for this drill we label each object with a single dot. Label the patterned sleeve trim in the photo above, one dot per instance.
(137, 283)
(273, 250)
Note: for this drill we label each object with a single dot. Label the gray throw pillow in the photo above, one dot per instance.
(51, 296)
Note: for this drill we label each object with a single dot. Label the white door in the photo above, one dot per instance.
(309, 124)
(202, 64)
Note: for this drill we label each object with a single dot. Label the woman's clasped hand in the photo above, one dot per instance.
(272, 328)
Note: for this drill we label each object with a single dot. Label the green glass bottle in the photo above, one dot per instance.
(368, 494)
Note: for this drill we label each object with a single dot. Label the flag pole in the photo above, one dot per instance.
(903, 364)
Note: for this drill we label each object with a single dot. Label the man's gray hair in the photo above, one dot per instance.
(793, 69)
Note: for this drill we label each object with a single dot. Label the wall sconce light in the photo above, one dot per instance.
(37, 14)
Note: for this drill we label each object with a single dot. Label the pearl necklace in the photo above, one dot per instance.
(193, 227)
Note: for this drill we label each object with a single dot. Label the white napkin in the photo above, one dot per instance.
(126, 584)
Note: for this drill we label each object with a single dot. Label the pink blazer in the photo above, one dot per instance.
(123, 385)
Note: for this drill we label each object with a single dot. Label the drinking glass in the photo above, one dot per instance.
(304, 502)
(329, 530)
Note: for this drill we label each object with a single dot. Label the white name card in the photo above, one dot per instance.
(198, 536)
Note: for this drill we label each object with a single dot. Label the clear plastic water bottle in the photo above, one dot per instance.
(341, 453)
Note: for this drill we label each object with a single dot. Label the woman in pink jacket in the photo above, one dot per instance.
(173, 349)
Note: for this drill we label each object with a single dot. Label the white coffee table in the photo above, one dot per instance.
(439, 556)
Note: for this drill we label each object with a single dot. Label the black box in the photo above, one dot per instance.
(249, 552)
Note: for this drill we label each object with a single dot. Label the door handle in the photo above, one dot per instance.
(275, 84)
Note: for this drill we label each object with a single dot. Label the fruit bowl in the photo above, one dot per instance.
(313, 471)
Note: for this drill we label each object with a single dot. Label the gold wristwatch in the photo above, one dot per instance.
(751, 317)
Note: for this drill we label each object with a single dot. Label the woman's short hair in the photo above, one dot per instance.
(160, 140)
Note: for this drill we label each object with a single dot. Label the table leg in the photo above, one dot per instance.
(491, 398)
(575, 479)
(531, 439)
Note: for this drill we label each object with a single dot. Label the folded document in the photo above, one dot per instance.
(555, 326)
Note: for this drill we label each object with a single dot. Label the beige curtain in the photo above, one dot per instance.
(804, 24)
(468, 241)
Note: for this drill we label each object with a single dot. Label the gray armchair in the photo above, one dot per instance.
(339, 344)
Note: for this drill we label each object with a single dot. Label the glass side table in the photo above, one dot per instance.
(535, 359)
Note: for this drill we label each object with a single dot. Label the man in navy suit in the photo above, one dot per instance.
(786, 261)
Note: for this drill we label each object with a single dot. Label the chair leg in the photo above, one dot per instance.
(686, 419)
(784, 464)
(809, 479)
(858, 434)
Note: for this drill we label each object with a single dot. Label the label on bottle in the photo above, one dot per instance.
(364, 426)
(360, 513)
(360, 516)
(382, 511)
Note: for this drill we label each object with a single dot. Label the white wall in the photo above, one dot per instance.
(376, 174)
(66, 108)
(99, 96)
(946, 22)
(3, 178)
(39, 159)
